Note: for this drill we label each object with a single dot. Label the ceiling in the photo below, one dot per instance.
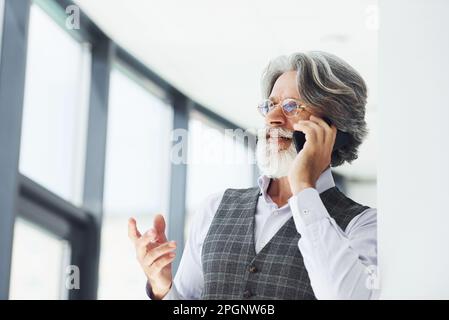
(214, 52)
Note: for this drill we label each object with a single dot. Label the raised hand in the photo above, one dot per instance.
(155, 255)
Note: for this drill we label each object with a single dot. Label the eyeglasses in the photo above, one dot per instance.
(290, 107)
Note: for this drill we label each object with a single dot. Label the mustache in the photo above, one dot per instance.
(276, 132)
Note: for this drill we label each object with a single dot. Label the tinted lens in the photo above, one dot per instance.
(265, 107)
(290, 107)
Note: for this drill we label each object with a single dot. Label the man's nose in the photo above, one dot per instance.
(275, 118)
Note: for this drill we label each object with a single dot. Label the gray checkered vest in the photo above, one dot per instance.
(233, 270)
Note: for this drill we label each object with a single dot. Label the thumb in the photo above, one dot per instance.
(159, 226)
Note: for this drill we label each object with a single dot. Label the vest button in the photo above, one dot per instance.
(247, 294)
(252, 269)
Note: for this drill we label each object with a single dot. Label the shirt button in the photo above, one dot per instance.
(305, 211)
(275, 213)
(247, 294)
(252, 269)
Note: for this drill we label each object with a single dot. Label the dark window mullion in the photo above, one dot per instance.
(12, 86)
(178, 180)
(85, 243)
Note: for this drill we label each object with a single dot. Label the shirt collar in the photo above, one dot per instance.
(324, 182)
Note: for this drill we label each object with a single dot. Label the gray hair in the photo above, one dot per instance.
(332, 88)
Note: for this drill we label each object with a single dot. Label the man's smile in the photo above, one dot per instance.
(283, 142)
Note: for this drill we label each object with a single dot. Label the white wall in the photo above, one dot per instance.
(413, 172)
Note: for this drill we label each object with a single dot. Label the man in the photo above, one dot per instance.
(295, 236)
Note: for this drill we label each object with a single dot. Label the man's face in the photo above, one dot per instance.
(276, 152)
(285, 87)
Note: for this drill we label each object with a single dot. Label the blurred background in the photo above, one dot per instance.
(91, 91)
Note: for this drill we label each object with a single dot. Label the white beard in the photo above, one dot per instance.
(272, 162)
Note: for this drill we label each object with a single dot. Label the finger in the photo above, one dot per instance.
(152, 234)
(159, 251)
(143, 243)
(146, 242)
(133, 232)
(333, 135)
(328, 131)
(163, 261)
(159, 226)
(305, 127)
(320, 133)
(320, 121)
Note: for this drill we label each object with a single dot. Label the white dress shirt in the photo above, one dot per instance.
(341, 263)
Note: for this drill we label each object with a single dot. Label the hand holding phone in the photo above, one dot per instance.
(342, 138)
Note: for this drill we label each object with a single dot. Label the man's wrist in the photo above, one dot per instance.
(159, 294)
(298, 186)
(307, 208)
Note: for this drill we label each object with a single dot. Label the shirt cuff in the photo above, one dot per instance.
(172, 294)
(307, 208)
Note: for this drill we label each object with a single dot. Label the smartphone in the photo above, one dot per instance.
(342, 138)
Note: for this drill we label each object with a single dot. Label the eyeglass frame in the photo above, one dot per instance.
(300, 107)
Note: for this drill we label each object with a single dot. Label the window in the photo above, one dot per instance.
(55, 107)
(137, 178)
(216, 161)
(38, 261)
